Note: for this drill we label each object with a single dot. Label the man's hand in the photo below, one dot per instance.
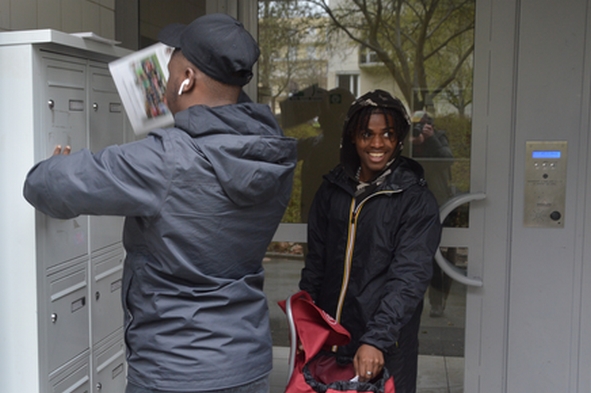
(428, 131)
(417, 140)
(368, 362)
(58, 150)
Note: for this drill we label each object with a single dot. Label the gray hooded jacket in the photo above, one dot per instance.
(202, 202)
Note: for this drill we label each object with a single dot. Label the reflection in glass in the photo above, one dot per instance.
(440, 287)
(441, 339)
(283, 265)
(307, 53)
(319, 153)
(441, 146)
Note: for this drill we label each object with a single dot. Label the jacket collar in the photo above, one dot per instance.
(404, 172)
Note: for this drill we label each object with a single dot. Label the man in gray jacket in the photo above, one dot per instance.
(202, 201)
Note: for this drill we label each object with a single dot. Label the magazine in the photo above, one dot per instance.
(140, 79)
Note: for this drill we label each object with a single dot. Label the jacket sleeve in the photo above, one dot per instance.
(417, 240)
(314, 268)
(127, 180)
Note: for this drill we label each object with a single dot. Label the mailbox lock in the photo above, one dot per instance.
(99, 386)
(95, 106)
(50, 104)
(97, 295)
(53, 318)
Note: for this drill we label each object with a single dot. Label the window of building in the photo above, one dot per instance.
(349, 82)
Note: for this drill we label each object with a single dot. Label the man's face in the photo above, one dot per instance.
(375, 145)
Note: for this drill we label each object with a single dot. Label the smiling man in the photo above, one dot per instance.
(373, 230)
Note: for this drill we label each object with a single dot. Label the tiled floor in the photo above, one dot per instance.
(437, 374)
(280, 369)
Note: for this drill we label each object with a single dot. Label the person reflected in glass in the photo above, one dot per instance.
(431, 148)
(373, 230)
(320, 154)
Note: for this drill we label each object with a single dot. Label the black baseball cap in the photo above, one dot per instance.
(217, 44)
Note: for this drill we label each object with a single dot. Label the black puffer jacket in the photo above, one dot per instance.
(370, 259)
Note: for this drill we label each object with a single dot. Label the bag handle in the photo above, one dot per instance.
(293, 337)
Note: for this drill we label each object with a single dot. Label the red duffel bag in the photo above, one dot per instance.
(316, 368)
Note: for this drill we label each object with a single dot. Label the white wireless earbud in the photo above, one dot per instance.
(185, 83)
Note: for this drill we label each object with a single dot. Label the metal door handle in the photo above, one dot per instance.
(445, 265)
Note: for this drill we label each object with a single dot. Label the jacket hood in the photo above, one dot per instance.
(252, 159)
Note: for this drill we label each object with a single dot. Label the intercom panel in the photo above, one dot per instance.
(545, 184)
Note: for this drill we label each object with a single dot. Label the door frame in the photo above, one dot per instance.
(493, 152)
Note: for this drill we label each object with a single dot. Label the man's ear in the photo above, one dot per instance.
(189, 75)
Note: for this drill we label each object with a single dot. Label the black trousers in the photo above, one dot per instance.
(403, 363)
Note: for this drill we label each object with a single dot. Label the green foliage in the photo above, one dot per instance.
(459, 133)
(292, 213)
(458, 130)
(304, 130)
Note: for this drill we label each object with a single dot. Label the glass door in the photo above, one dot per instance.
(318, 56)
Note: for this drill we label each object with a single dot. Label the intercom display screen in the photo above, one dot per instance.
(545, 154)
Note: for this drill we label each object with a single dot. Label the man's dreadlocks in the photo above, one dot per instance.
(377, 101)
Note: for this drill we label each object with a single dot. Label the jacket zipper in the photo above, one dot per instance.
(348, 256)
(353, 215)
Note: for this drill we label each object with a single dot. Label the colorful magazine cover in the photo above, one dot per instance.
(140, 79)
